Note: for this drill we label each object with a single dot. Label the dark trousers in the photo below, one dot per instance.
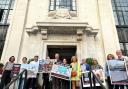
(21, 83)
(31, 82)
(46, 83)
(65, 84)
(117, 86)
(56, 83)
(6, 78)
(121, 86)
(110, 86)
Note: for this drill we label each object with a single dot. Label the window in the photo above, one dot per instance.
(6, 7)
(56, 4)
(120, 9)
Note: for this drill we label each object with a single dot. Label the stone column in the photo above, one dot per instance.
(107, 26)
(91, 46)
(16, 30)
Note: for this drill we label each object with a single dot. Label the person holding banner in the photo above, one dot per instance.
(121, 57)
(46, 83)
(32, 81)
(23, 66)
(7, 74)
(107, 74)
(76, 72)
(84, 66)
(56, 82)
(65, 83)
(97, 69)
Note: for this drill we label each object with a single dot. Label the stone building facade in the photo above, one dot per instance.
(85, 28)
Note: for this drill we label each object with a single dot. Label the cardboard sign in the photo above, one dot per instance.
(85, 78)
(118, 72)
(16, 69)
(61, 72)
(32, 70)
(45, 66)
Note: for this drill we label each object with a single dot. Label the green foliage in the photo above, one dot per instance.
(30, 60)
(89, 61)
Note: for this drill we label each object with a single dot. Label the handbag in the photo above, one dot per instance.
(73, 73)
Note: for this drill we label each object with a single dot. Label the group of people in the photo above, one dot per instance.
(120, 57)
(57, 83)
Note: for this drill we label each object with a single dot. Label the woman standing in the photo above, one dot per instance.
(23, 65)
(65, 83)
(97, 69)
(75, 72)
(109, 57)
(6, 77)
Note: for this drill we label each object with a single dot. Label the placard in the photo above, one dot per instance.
(118, 73)
(16, 69)
(86, 81)
(45, 66)
(32, 69)
(61, 72)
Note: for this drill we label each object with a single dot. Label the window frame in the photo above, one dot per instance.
(54, 5)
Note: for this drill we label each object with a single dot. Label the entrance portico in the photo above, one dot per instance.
(65, 34)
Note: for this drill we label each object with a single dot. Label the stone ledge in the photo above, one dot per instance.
(78, 28)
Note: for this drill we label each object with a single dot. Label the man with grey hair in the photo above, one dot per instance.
(56, 82)
(121, 57)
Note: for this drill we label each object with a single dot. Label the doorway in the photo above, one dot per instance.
(65, 51)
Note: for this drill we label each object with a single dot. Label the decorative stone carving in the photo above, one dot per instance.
(75, 28)
(62, 13)
(92, 31)
(44, 34)
(79, 34)
(32, 30)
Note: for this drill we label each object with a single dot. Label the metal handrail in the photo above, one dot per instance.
(19, 76)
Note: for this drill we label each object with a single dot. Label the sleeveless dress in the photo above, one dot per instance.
(76, 67)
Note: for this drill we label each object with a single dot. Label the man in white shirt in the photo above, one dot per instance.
(34, 68)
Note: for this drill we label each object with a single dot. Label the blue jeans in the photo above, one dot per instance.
(21, 83)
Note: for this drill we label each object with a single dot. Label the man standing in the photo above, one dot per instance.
(57, 57)
(32, 80)
(46, 82)
(121, 57)
(56, 82)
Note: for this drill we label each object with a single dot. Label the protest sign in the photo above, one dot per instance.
(117, 71)
(61, 72)
(45, 66)
(86, 81)
(16, 69)
(33, 70)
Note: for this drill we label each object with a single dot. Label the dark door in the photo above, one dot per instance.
(65, 52)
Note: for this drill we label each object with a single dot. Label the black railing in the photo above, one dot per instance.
(93, 78)
(20, 77)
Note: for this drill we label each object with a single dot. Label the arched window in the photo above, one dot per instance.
(56, 4)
